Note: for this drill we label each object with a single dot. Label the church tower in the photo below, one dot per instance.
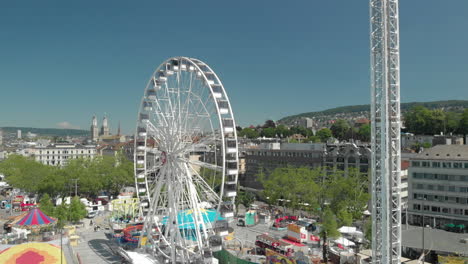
(105, 127)
(94, 129)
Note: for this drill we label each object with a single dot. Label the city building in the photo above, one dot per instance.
(104, 127)
(343, 156)
(1, 137)
(408, 140)
(18, 134)
(58, 154)
(269, 156)
(438, 186)
(94, 130)
(447, 140)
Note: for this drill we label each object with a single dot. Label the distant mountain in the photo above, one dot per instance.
(354, 111)
(47, 131)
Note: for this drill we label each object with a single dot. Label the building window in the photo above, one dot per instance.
(436, 164)
(446, 210)
(425, 164)
(457, 165)
(441, 188)
(416, 207)
(466, 165)
(457, 211)
(451, 188)
(428, 176)
(446, 164)
(415, 164)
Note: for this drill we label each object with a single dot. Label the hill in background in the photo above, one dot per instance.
(362, 111)
(47, 131)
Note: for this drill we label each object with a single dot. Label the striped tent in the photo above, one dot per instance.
(35, 218)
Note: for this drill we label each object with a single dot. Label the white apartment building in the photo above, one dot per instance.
(58, 154)
(438, 186)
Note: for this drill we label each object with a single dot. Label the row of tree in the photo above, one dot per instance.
(316, 190)
(422, 121)
(341, 130)
(102, 173)
(337, 198)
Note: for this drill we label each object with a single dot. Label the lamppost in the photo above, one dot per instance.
(61, 245)
(422, 214)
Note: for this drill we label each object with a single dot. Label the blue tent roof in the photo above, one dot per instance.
(186, 221)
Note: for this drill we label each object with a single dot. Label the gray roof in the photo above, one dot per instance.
(445, 152)
(434, 239)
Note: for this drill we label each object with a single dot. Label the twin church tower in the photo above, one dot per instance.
(96, 135)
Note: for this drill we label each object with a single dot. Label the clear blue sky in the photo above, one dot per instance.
(63, 61)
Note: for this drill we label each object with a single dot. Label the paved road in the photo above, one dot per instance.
(93, 245)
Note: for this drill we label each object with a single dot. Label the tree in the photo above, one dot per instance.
(368, 229)
(301, 130)
(61, 213)
(418, 120)
(324, 134)
(249, 133)
(245, 198)
(329, 229)
(344, 217)
(77, 210)
(329, 224)
(269, 124)
(340, 128)
(313, 139)
(463, 127)
(268, 132)
(364, 133)
(298, 185)
(452, 121)
(46, 205)
(282, 131)
(347, 192)
(24, 173)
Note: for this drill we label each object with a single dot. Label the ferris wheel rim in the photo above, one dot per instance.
(202, 69)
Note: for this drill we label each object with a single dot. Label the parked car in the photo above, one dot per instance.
(91, 214)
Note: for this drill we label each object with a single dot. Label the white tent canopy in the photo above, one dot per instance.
(345, 242)
(347, 229)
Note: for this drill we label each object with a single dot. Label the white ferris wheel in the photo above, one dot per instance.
(186, 162)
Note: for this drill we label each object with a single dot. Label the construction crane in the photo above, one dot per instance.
(385, 139)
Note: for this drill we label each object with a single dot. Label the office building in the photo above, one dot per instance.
(438, 186)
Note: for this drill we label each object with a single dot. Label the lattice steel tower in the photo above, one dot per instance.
(385, 118)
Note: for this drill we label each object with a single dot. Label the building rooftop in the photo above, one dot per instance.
(445, 152)
(434, 239)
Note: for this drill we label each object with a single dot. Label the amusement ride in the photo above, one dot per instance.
(186, 162)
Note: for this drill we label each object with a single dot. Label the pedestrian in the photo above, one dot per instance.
(91, 222)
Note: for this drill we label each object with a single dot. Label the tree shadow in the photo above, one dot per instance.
(102, 249)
